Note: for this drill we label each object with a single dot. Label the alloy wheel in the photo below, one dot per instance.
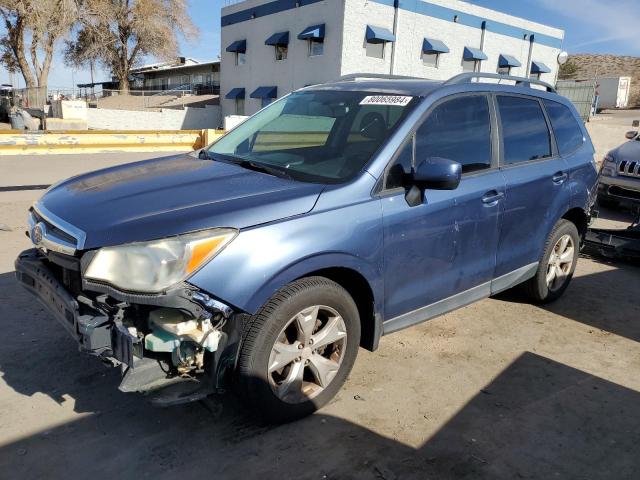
(307, 354)
(560, 262)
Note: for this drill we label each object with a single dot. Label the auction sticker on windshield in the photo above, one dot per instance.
(400, 100)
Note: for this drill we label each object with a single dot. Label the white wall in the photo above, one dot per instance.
(359, 14)
(344, 50)
(414, 27)
(167, 119)
(261, 68)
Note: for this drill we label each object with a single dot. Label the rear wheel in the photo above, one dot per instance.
(299, 349)
(557, 264)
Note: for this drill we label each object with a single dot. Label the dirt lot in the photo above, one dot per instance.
(499, 389)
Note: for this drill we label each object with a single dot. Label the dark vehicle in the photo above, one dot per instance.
(336, 215)
(620, 173)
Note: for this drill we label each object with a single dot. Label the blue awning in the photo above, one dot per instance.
(379, 35)
(280, 38)
(539, 67)
(314, 31)
(471, 53)
(239, 46)
(430, 45)
(508, 61)
(265, 92)
(235, 93)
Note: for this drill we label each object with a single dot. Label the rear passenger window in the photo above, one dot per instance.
(565, 127)
(460, 130)
(524, 130)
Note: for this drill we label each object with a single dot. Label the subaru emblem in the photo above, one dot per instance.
(37, 233)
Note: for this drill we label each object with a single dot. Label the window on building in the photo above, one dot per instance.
(375, 50)
(567, 131)
(524, 129)
(536, 76)
(264, 101)
(470, 65)
(504, 70)
(316, 47)
(241, 58)
(431, 59)
(281, 52)
(460, 130)
(239, 106)
(401, 167)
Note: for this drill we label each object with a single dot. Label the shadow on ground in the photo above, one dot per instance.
(537, 419)
(589, 299)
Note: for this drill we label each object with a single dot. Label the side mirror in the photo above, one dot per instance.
(631, 134)
(434, 173)
(438, 173)
(203, 154)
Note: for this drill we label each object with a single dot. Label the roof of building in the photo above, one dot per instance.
(176, 65)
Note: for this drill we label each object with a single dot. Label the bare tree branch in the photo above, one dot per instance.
(44, 22)
(120, 33)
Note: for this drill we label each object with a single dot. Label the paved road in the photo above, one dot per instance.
(20, 170)
(499, 389)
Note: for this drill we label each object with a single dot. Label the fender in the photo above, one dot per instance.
(309, 265)
(261, 260)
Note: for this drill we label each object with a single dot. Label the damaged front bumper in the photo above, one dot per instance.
(182, 336)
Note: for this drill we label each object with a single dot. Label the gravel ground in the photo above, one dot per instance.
(499, 389)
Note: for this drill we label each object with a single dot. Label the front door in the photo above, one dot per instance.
(441, 254)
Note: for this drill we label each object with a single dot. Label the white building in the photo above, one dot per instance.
(271, 47)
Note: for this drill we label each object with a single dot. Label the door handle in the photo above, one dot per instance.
(559, 178)
(492, 197)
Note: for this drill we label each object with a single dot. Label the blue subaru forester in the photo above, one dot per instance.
(336, 215)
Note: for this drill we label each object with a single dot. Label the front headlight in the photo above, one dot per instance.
(608, 166)
(154, 266)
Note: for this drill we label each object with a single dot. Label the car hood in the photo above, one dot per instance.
(173, 195)
(629, 151)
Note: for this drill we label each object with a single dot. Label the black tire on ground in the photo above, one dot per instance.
(536, 288)
(252, 377)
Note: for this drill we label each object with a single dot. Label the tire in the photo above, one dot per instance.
(538, 288)
(300, 316)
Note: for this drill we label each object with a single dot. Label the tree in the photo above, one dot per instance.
(568, 70)
(119, 33)
(32, 27)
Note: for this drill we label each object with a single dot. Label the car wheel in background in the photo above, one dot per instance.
(298, 349)
(557, 264)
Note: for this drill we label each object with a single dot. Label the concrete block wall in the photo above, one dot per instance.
(413, 27)
(167, 119)
(357, 15)
(345, 52)
(261, 67)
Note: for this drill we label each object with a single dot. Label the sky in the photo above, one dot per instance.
(591, 26)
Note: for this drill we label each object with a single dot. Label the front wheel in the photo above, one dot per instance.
(299, 349)
(557, 265)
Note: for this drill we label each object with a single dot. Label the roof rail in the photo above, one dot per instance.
(520, 81)
(371, 76)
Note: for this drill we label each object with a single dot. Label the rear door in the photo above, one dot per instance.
(537, 186)
(441, 254)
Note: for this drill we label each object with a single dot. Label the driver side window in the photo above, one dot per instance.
(401, 167)
(458, 129)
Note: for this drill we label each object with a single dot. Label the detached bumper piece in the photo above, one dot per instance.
(624, 244)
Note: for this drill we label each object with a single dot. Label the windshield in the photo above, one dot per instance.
(317, 136)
